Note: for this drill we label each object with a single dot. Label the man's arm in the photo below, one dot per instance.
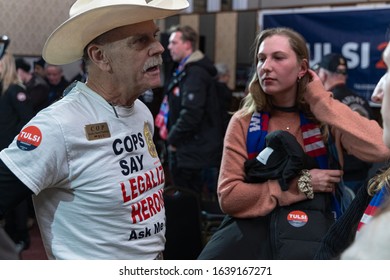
(12, 190)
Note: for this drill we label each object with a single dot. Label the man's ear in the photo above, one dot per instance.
(188, 45)
(97, 55)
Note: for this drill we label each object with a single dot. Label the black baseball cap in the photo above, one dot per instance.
(22, 64)
(333, 62)
(41, 62)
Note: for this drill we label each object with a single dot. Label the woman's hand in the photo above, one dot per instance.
(313, 75)
(325, 180)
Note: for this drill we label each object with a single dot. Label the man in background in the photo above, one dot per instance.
(194, 132)
(332, 70)
(39, 67)
(223, 82)
(57, 82)
(36, 87)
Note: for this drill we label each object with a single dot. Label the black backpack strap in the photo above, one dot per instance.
(176, 80)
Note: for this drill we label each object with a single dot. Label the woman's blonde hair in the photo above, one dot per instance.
(8, 73)
(379, 181)
(256, 99)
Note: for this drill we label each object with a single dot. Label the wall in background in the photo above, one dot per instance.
(228, 35)
(28, 23)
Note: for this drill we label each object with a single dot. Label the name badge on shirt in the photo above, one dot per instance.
(97, 131)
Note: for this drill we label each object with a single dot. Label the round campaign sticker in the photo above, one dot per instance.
(29, 138)
(21, 96)
(297, 218)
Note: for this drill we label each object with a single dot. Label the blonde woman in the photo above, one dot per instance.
(284, 95)
(15, 108)
(15, 111)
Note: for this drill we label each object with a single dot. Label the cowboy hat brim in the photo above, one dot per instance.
(66, 44)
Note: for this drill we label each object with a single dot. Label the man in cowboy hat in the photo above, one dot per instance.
(89, 158)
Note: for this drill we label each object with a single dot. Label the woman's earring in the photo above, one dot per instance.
(299, 79)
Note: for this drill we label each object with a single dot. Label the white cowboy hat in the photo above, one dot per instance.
(91, 18)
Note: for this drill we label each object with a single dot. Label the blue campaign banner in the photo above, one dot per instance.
(360, 34)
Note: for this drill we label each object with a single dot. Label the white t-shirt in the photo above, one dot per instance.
(96, 176)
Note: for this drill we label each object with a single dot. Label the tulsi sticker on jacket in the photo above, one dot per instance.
(297, 218)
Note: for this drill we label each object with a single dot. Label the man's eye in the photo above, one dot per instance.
(142, 40)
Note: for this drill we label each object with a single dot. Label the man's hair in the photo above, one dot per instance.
(188, 34)
(222, 69)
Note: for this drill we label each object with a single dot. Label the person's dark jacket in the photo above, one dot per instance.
(15, 112)
(194, 117)
(56, 91)
(357, 103)
(342, 233)
(38, 92)
(354, 168)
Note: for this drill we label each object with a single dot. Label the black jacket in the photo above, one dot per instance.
(354, 168)
(354, 101)
(15, 111)
(194, 115)
(342, 233)
(56, 92)
(38, 92)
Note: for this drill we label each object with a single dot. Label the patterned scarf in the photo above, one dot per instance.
(312, 138)
(372, 207)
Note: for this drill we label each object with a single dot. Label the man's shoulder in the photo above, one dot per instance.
(16, 92)
(195, 67)
(353, 100)
(201, 65)
(346, 94)
(15, 88)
